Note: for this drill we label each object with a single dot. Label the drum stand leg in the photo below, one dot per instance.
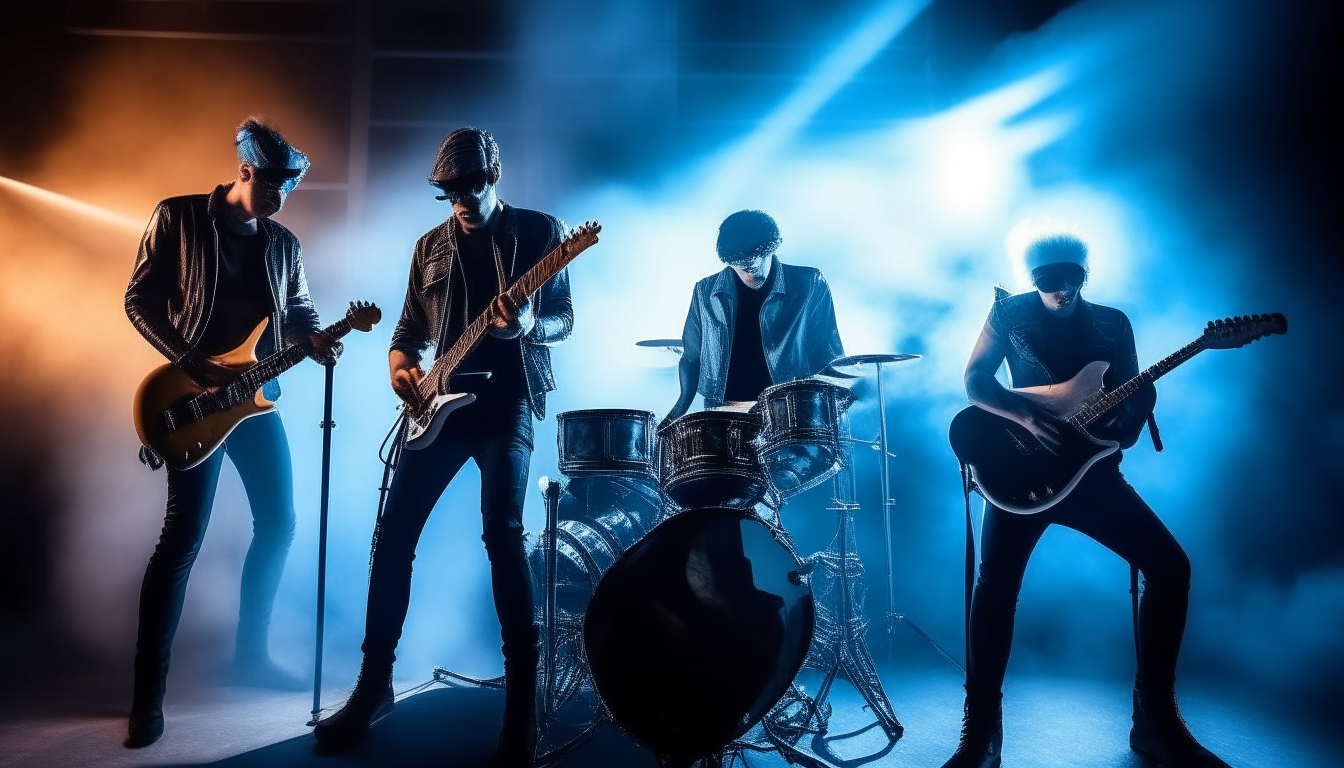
(840, 648)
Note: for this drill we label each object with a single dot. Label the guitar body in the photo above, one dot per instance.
(421, 430)
(1010, 467)
(168, 387)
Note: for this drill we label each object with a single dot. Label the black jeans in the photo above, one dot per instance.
(259, 450)
(498, 436)
(1106, 508)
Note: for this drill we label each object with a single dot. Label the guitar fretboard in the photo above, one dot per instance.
(1113, 398)
(436, 381)
(254, 378)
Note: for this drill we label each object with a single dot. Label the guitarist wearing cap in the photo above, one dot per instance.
(460, 270)
(1047, 337)
(211, 270)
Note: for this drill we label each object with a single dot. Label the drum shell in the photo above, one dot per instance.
(697, 630)
(799, 446)
(606, 441)
(708, 459)
(599, 517)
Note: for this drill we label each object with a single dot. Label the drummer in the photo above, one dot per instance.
(756, 323)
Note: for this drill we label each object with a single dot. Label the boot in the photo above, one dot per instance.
(981, 743)
(518, 737)
(369, 702)
(146, 722)
(1160, 734)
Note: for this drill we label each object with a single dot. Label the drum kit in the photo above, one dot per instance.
(670, 592)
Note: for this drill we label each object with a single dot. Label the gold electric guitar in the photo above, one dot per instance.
(184, 422)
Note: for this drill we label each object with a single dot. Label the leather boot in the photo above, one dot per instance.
(1160, 734)
(518, 737)
(146, 722)
(981, 743)
(369, 702)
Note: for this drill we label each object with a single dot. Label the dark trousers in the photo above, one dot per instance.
(498, 436)
(260, 451)
(1106, 508)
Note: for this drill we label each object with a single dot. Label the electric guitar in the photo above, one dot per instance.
(184, 422)
(423, 424)
(1012, 470)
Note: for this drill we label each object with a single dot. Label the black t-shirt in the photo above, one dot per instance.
(502, 357)
(242, 294)
(748, 373)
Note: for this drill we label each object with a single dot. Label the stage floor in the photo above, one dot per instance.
(1049, 722)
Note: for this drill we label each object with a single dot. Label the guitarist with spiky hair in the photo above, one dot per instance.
(1047, 336)
(210, 269)
(461, 269)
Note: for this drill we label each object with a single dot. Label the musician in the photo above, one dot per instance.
(1046, 337)
(211, 267)
(757, 322)
(459, 270)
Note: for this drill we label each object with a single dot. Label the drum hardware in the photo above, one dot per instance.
(893, 617)
(839, 648)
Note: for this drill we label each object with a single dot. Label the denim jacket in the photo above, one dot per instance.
(526, 237)
(172, 289)
(798, 328)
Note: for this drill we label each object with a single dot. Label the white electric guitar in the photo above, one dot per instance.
(424, 425)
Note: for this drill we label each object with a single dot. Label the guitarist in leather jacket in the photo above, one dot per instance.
(459, 270)
(210, 269)
(1046, 337)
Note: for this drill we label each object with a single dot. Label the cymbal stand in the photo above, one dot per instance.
(894, 616)
(839, 648)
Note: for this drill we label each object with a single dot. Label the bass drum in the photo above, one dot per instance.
(697, 630)
(600, 516)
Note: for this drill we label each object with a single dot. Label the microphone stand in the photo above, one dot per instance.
(327, 426)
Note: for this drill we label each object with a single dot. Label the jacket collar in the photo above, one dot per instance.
(725, 282)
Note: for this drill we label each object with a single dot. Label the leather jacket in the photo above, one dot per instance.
(798, 329)
(524, 238)
(172, 289)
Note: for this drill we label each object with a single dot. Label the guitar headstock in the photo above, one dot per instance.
(582, 237)
(363, 315)
(1239, 331)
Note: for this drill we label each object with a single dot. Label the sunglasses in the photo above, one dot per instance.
(1056, 278)
(285, 179)
(471, 184)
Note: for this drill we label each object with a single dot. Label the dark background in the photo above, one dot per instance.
(1210, 130)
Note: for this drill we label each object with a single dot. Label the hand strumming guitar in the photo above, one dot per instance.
(406, 373)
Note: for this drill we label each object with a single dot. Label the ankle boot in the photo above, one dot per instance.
(1160, 734)
(369, 702)
(146, 722)
(981, 743)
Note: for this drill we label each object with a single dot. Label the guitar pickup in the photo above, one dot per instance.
(169, 420)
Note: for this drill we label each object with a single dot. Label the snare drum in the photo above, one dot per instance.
(707, 459)
(607, 441)
(799, 446)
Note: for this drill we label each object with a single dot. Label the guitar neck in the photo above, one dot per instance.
(265, 370)
(436, 381)
(1116, 396)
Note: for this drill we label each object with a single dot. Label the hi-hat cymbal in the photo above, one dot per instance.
(662, 343)
(845, 362)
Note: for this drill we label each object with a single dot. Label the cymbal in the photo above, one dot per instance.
(660, 343)
(845, 362)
